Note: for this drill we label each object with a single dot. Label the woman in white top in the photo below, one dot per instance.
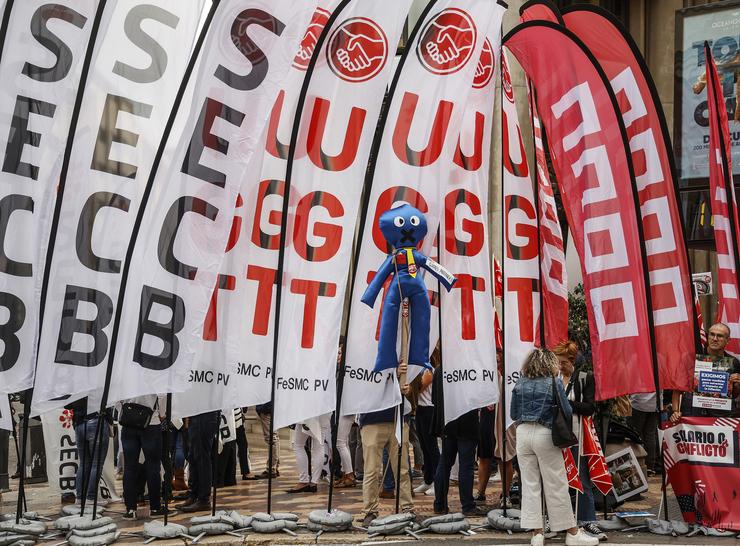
(135, 439)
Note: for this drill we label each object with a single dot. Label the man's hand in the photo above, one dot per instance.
(402, 369)
(675, 417)
(405, 389)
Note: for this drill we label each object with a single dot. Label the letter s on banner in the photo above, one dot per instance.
(583, 130)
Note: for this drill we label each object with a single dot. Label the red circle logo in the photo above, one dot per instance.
(308, 44)
(484, 68)
(506, 81)
(447, 41)
(357, 50)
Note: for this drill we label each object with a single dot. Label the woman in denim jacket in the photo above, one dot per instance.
(539, 459)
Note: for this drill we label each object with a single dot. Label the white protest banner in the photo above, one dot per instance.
(62, 461)
(521, 251)
(6, 417)
(338, 123)
(136, 71)
(468, 342)
(418, 143)
(42, 62)
(186, 225)
(235, 360)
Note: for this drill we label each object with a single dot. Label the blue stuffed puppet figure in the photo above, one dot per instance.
(403, 228)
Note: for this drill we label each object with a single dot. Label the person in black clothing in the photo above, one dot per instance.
(459, 438)
(717, 339)
(202, 430)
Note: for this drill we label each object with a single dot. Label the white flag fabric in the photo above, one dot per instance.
(468, 343)
(521, 251)
(62, 461)
(416, 151)
(338, 123)
(6, 417)
(187, 221)
(42, 61)
(235, 359)
(137, 66)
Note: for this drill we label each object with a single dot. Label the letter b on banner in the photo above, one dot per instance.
(155, 304)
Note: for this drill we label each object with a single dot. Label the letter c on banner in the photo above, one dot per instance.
(170, 228)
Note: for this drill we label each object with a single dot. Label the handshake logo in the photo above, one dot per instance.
(308, 44)
(357, 50)
(447, 42)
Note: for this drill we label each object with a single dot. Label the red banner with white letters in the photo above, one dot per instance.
(724, 206)
(521, 286)
(591, 163)
(665, 248)
(415, 157)
(553, 274)
(702, 463)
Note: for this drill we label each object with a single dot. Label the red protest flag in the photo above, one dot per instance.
(571, 469)
(591, 448)
(723, 202)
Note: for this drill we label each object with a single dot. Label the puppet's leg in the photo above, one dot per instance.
(420, 314)
(387, 356)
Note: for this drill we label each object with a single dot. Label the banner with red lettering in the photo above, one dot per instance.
(338, 123)
(724, 206)
(194, 193)
(553, 273)
(467, 313)
(521, 286)
(417, 147)
(36, 105)
(234, 362)
(652, 158)
(702, 464)
(136, 69)
(591, 449)
(578, 112)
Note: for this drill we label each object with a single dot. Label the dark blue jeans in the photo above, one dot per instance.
(586, 509)
(453, 446)
(87, 458)
(202, 435)
(135, 441)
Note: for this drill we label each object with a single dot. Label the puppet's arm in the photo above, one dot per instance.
(443, 276)
(373, 289)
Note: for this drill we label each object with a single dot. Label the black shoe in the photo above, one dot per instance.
(368, 519)
(189, 500)
(476, 512)
(481, 497)
(130, 515)
(305, 488)
(441, 511)
(160, 512)
(185, 495)
(196, 506)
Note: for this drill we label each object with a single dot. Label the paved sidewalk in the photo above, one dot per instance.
(248, 497)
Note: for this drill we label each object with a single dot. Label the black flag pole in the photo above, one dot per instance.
(283, 235)
(168, 460)
(214, 470)
(364, 205)
(504, 245)
(137, 226)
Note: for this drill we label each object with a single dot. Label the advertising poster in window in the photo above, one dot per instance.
(720, 26)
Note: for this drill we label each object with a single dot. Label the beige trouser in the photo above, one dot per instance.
(265, 421)
(374, 438)
(539, 458)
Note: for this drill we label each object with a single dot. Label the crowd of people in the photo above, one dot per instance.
(522, 456)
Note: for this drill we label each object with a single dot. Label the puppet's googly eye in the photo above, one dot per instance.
(398, 221)
(414, 220)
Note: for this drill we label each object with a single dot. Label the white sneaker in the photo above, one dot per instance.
(497, 477)
(581, 538)
(423, 488)
(537, 540)
(430, 492)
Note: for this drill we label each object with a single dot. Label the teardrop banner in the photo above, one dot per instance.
(580, 116)
(36, 109)
(467, 313)
(676, 341)
(126, 104)
(415, 153)
(185, 227)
